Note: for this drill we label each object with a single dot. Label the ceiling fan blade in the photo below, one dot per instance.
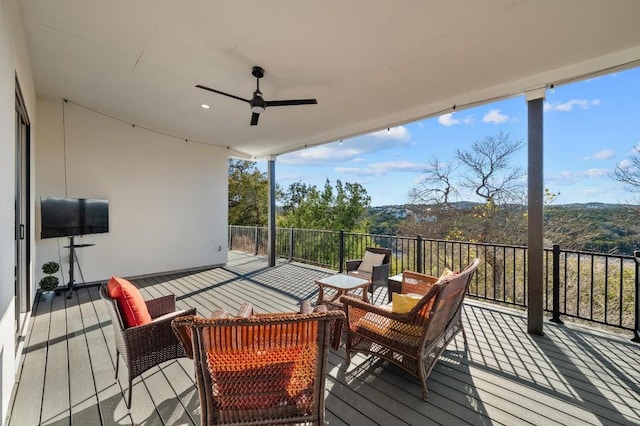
(199, 86)
(291, 102)
(254, 118)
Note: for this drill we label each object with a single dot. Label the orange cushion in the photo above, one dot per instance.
(130, 302)
(247, 379)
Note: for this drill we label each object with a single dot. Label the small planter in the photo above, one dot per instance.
(49, 282)
(47, 295)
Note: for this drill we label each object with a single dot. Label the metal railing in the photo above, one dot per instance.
(595, 287)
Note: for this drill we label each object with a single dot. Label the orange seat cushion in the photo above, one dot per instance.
(130, 302)
(246, 379)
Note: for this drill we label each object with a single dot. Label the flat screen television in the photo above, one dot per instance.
(68, 217)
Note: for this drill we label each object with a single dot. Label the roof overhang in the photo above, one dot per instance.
(370, 64)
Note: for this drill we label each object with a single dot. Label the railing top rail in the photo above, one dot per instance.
(594, 253)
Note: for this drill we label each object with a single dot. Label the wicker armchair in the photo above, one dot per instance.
(264, 369)
(146, 346)
(379, 273)
(414, 340)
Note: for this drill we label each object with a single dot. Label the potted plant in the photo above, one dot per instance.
(49, 282)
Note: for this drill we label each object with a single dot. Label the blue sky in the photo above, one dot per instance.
(590, 126)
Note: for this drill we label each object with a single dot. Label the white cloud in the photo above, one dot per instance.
(495, 116)
(625, 164)
(568, 106)
(398, 132)
(448, 120)
(575, 177)
(378, 169)
(596, 172)
(320, 155)
(604, 154)
(350, 149)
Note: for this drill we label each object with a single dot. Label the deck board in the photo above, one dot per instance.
(82, 390)
(55, 398)
(571, 375)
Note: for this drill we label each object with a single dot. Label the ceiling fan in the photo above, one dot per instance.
(257, 102)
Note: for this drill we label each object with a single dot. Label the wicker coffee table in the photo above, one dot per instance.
(332, 287)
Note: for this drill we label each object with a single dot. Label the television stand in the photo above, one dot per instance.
(72, 258)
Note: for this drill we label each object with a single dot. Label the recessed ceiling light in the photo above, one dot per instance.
(205, 106)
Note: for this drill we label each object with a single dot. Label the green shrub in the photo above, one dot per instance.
(50, 281)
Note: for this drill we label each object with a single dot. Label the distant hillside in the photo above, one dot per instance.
(606, 228)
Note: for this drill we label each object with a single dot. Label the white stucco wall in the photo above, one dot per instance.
(167, 197)
(14, 61)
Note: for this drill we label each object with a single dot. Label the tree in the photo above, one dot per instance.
(248, 193)
(342, 208)
(628, 172)
(485, 170)
(435, 186)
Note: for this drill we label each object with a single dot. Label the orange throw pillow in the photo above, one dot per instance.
(132, 306)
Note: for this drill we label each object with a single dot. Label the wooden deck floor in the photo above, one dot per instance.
(572, 375)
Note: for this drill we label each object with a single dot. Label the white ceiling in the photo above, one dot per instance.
(371, 64)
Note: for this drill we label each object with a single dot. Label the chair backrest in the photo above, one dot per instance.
(380, 250)
(268, 366)
(448, 302)
(112, 307)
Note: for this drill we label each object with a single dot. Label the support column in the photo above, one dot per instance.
(535, 233)
(271, 175)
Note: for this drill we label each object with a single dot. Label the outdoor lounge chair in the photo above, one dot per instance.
(145, 346)
(413, 340)
(261, 369)
(374, 266)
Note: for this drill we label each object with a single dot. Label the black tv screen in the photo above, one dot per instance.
(67, 217)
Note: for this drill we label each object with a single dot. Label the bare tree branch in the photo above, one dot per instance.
(436, 186)
(629, 174)
(489, 174)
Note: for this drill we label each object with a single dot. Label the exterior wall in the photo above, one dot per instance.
(167, 197)
(14, 62)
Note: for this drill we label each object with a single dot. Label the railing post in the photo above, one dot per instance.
(419, 254)
(291, 242)
(341, 252)
(256, 241)
(636, 327)
(555, 317)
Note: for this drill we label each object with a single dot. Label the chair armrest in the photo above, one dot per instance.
(182, 330)
(161, 305)
(245, 310)
(352, 265)
(305, 307)
(144, 338)
(380, 274)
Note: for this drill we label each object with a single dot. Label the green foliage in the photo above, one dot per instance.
(50, 268)
(340, 208)
(248, 193)
(49, 282)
